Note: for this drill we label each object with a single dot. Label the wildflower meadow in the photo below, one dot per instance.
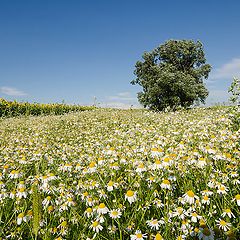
(120, 174)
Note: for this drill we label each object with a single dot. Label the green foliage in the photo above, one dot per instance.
(172, 75)
(12, 109)
(235, 90)
(235, 99)
(36, 199)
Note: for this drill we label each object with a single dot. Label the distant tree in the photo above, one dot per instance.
(172, 75)
(235, 90)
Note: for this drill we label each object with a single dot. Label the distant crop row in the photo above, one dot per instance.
(14, 108)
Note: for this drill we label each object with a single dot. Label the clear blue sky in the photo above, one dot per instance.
(52, 50)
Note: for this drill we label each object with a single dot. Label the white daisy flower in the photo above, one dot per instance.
(154, 224)
(222, 189)
(140, 168)
(138, 235)
(190, 197)
(102, 209)
(115, 213)
(46, 201)
(88, 212)
(157, 165)
(92, 167)
(156, 152)
(111, 185)
(90, 202)
(228, 212)
(131, 196)
(206, 200)
(225, 226)
(207, 193)
(20, 218)
(237, 199)
(194, 217)
(14, 174)
(21, 193)
(166, 184)
(96, 226)
(70, 202)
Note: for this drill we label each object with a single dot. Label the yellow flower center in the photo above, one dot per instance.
(205, 198)
(184, 222)
(202, 223)
(166, 159)
(179, 210)
(89, 210)
(101, 205)
(21, 189)
(30, 213)
(114, 213)
(141, 165)
(48, 198)
(196, 230)
(155, 221)
(130, 193)
(227, 210)
(50, 208)
(110, 183)
(165, 181)
(222, 188)
(20, 215)
(158, 162)
(158, 237)
(237, 197)
(190, 194)
(222, 223)
(64, 224)
(139, 235)
(228, 155)
(92, 164)
(95, 224)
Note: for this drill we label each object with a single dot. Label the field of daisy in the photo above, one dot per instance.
(120, 174)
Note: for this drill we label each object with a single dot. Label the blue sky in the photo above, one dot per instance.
(54, 50)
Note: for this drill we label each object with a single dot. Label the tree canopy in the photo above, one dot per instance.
(172, 75)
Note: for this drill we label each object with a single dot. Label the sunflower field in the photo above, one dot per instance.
(14, 108)
(119, 175)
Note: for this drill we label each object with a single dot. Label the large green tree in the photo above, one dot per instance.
(172, 75)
